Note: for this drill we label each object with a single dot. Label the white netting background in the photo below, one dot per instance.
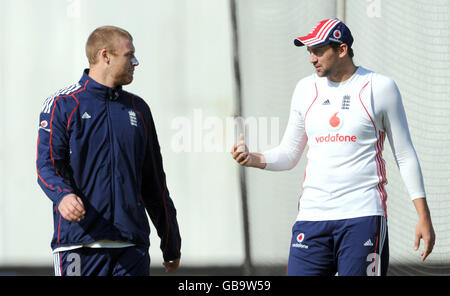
(410, 42)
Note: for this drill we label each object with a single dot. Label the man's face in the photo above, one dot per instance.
(123, 62)
(324, 58)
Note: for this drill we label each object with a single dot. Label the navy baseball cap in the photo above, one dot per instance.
(326, 31)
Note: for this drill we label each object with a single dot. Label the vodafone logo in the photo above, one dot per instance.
(44, 125)
(336, 122)
(300, 238)
(336, 138)
(337, 34)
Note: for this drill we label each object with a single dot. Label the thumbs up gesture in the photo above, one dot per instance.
(240, 152)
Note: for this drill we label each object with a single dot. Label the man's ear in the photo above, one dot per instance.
(343, 49)
(104, 56)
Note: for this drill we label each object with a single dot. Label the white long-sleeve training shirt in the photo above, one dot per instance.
(344, 126)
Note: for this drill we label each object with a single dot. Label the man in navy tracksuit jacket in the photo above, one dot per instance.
(99, 161)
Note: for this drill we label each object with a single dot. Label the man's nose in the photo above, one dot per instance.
(312, 59)
(134, 62)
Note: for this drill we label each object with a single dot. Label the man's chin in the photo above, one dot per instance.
(321, 73)
(126, 80)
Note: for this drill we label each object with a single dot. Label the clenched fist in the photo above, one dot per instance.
(71, 208)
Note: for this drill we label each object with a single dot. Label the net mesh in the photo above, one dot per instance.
(410, 42)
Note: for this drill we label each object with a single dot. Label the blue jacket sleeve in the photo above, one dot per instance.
(53, 150)
(156, 196)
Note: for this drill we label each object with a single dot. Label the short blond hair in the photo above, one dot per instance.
(104, 37)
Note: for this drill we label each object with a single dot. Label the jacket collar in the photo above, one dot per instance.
(99, 90)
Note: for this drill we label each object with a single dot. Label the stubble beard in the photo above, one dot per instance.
(125, 79)
(323, 72)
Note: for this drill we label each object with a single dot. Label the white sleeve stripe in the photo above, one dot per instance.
(57, 264)
(65, 91)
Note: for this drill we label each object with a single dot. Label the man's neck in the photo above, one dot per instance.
(343, 73)
(101, 77)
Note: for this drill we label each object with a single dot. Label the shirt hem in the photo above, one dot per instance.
(95, 244)
(319, 217)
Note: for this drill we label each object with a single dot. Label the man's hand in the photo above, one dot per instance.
(71, 208)
(243, 157)
(240, 151)
(424, 228)
(171, 265)
(425, 231)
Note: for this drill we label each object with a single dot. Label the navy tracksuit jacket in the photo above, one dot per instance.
(101, 144)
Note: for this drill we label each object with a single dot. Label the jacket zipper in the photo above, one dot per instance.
(110, 131)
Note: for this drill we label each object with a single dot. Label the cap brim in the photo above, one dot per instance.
(298, 43)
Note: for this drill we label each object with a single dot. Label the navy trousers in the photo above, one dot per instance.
(128, 261)
(350, 247)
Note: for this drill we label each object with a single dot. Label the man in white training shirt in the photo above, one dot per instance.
(343, 113)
